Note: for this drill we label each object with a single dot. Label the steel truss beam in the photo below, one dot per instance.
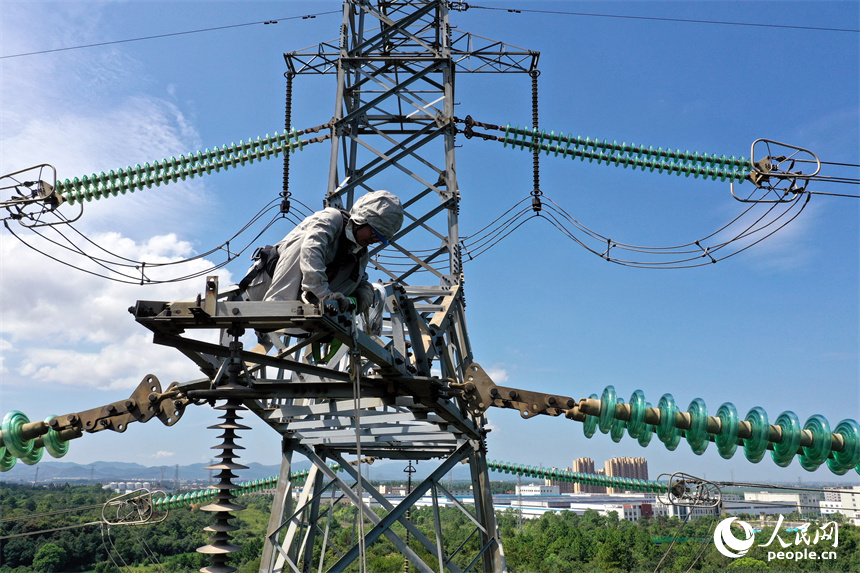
(295, 525)
(402, 411)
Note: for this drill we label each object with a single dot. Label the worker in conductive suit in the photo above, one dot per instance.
(325, 256)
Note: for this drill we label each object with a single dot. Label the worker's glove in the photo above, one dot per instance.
(363, 297)
(344, 304)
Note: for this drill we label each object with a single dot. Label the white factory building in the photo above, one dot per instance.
(844, 500)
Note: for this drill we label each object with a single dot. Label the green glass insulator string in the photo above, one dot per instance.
(653, 486)
(573, 143)
(636, 423)
(207, 495)
(727, 439)
(608, 401)
(843, 461)
(15, 446)
(755, 446)
(666, 430)
(130, 179)
(707, 166)
(645, 437)
(697, 435)
(616, 431)
(590, 424)
(813, 442)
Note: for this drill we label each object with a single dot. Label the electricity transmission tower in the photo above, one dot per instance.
(402, 383)
(394, 395)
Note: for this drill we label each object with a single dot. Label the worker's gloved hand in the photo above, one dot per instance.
(343, 303)
(363, 297)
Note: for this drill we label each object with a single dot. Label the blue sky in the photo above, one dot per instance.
(775, 326)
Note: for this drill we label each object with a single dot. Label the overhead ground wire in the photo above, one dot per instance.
(173, 34)
(659, 19)
(467, 6)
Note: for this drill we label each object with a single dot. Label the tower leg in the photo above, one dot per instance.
(292, 522)
(491, 546)
(282, 505)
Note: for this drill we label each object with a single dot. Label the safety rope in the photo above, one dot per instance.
(355, 377)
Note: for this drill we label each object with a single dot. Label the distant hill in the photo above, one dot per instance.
(106, 472)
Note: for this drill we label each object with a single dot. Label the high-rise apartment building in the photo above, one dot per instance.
(563, 486)
(636, 468)
(618, 467)
(585, 466)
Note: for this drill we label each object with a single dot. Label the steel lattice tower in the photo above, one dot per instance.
(393, 395)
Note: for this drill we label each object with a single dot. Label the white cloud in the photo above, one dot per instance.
(163, 454)
(44, 300)
(5, 347)
(116, 366)
(497, 374)
(89, 111)
(73, 328)
(783, 243)
(84, 112)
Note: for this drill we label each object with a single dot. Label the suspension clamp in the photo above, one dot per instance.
(690, 491)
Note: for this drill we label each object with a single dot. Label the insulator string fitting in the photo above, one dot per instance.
(813, 442)
(130, 179)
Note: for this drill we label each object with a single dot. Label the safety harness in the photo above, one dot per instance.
(345, 259)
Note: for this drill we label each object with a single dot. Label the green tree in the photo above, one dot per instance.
(50, 558)
(614, 554)
(747, 564)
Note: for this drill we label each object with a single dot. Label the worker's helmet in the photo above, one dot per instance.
(381, 210)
